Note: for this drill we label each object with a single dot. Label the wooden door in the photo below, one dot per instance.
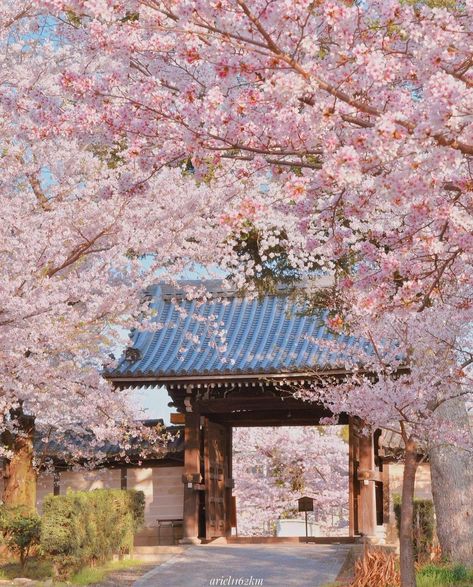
(216, 475)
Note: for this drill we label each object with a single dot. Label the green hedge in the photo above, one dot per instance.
(89, 527)
(20, 529)
(423, 526)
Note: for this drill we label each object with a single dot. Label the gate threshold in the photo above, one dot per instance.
(283, 540)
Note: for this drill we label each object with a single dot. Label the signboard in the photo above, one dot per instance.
(306, 504)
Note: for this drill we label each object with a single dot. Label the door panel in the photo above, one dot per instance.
(216, 473)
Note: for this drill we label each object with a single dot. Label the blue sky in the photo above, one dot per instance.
(154, 401)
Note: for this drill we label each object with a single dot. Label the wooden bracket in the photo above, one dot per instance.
(192, 478)
(368, 475)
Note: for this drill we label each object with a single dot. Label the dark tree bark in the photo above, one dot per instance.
(452, 489)
(406, 534)
(19, 475)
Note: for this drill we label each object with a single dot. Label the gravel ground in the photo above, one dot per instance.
(125, 577)
(254, 564)
(119, 578)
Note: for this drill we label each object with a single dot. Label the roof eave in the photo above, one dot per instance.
(283, 376)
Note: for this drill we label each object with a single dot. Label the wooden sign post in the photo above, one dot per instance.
(306, 504)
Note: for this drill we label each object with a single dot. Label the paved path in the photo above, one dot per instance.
(285, 565)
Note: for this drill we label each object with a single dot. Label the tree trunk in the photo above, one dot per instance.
(19, 475)
(406, 538)
(451, 471)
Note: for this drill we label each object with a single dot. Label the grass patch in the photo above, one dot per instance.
(432, 575)
(89, 575)
(444, 576)
(41, 570)
(35, 569)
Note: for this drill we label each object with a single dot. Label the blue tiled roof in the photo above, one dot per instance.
(263, 336)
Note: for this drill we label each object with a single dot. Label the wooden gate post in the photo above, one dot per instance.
(191, 478)
(228, 482)
(366, 477)
(352, 493)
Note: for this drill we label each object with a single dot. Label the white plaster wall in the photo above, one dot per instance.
(163, 489)
(89, 480)
(423, 488)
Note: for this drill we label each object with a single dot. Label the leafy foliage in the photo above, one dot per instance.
(271, 265)
(37, 568)
(87, 527)
(21, 530)
(432, 575)
(424, 526)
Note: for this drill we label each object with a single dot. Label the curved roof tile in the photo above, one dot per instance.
(267, 335)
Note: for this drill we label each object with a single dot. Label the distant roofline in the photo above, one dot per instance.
(224, 288)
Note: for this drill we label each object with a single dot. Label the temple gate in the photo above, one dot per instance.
(269, 351)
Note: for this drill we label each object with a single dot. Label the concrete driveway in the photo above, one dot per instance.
(266, 565)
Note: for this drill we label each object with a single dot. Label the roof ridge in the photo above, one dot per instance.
(223, 288)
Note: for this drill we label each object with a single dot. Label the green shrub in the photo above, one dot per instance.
(137, 502)
(423, 526)
(89, 527)
(37, 569)
(433, 575)
(21, 530)
(92, 575)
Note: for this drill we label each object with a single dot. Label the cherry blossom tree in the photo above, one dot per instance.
(404, 373)
(360, 112)
(273, 467)
(348, 124)
(81, 240)
(72, 282)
